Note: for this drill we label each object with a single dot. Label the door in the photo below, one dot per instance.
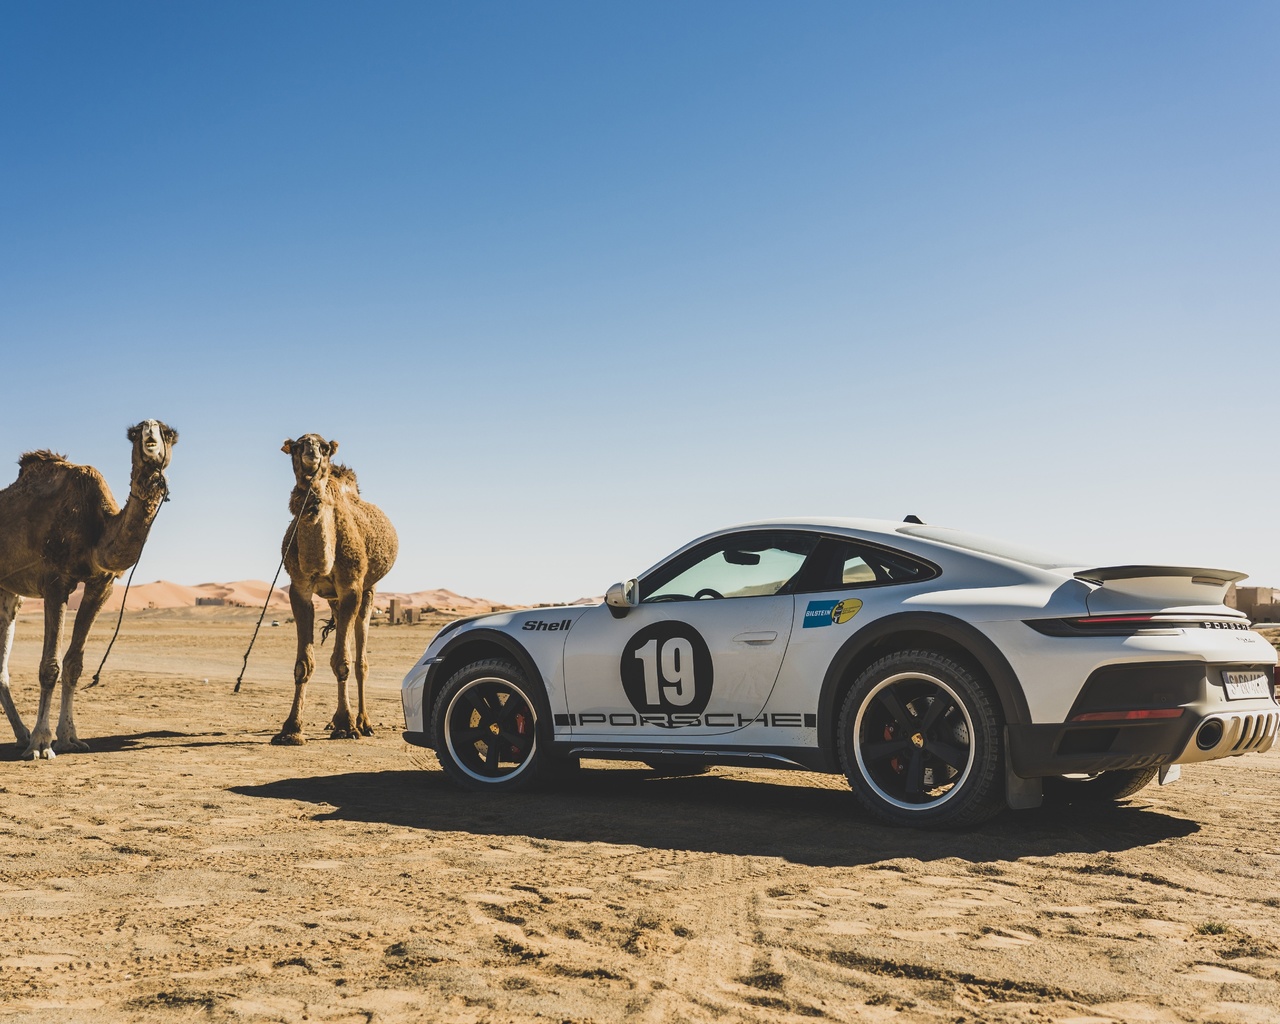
(700, 654)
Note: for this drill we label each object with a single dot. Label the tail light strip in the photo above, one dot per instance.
(1129, 625)
(1129, 716)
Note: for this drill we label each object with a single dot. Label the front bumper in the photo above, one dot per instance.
(413, 692)
(1203, 724)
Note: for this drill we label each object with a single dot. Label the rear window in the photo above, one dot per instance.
(987, 546)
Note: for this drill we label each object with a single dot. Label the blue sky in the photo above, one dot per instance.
(572, 283)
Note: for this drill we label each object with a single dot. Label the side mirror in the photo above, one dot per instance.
(622, 597)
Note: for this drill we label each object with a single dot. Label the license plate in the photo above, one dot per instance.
(1244, 685)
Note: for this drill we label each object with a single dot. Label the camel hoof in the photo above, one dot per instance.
(288, 739)
(71, 747)
(41, 753)
(344, 734)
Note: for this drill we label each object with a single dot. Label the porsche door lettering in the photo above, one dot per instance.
(699, 667)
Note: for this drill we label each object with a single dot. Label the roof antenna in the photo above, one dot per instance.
(914, 519)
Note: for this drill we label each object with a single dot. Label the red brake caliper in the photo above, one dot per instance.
(896, 762)
(522, 726)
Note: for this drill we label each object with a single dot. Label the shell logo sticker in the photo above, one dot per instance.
(845, 610)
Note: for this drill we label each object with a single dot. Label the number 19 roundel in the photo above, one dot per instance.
(666, 667)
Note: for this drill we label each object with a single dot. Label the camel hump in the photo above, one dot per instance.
(43, 457)
(345, 477)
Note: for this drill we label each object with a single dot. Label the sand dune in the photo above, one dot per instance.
(252, 594)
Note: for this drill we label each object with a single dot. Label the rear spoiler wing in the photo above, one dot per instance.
(1209, 577)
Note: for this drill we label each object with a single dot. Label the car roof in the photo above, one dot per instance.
(922, 539)
(823, 523)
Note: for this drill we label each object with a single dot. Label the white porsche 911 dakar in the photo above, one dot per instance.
(945, 675)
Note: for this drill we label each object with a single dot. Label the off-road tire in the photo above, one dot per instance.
(912, 763)
(490, 726)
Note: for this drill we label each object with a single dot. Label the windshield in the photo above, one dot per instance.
(987, 546)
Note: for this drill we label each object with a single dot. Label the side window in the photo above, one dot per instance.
(856, 570)
(742, 565)
(841, 564)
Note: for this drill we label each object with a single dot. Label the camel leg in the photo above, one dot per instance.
(333, 624)
(9, 604)
(304, 618)
(95, 596)
(344, 726)
(361, 662)
(40, 744)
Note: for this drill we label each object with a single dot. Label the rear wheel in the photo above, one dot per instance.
(920, 742)
(485, 726)
(1103, 788)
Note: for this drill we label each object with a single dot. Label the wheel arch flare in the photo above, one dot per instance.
(914, 630)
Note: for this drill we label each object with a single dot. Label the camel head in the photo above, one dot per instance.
(153, 443)
(312, 458)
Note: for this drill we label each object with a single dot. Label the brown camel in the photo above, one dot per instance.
(342, 547)
(59, 527)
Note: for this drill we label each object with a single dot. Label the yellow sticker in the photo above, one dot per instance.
(845, 610)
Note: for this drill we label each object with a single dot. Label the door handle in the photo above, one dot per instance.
(756, 638)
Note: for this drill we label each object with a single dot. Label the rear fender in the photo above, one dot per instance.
(906, 631)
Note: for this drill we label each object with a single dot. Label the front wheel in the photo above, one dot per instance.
(920, 742)
(485, 726)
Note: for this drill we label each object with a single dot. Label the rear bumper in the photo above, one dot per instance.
(1229, 734)
(1206, 726)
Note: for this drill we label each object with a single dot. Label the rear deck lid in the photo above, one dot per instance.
(1157, 588)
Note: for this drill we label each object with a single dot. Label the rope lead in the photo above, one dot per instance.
(271, 590)
(97, 676)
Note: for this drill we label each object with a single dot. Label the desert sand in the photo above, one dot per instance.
(187, 870)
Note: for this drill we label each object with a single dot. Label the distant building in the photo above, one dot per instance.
(1261, 604)
(400, 614)
(210, 601)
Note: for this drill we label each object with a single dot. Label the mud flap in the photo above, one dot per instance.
(1170, 773)
(1019, 793)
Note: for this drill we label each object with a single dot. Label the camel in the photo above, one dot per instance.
(338, 546)
(59, 527)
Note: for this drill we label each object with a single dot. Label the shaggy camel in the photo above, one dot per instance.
(59, 527)
(342, 547)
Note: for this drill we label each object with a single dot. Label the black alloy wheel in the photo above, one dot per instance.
(920, 742)
(485, 724)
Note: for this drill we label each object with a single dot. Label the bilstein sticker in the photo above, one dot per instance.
(845, 610)
(827, 613)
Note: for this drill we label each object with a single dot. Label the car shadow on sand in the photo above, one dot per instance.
(714, 814)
